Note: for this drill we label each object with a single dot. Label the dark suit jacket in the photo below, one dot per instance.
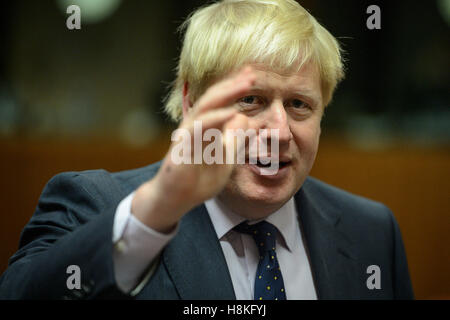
(73, 225)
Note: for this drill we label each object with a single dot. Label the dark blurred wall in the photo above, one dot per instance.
(108, 78)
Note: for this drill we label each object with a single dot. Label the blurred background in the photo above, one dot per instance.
(91, 98)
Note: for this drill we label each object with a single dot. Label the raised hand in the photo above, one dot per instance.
(178, 187)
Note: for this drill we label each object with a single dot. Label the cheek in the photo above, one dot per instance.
(306, 137)
(254, 123)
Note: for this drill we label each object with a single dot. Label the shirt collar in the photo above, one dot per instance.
(224, 220)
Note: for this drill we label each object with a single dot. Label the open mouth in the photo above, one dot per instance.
(280, 164)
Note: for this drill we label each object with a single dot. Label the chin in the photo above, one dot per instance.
(267, 194)
(264, 193)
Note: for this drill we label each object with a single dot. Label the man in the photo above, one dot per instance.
(222, 231)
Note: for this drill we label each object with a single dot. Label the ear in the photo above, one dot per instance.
(186, 101)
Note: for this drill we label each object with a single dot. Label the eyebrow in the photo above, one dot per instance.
(257, 88)
(309, 95)
(304, 93)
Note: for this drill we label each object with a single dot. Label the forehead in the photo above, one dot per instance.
(308, 74)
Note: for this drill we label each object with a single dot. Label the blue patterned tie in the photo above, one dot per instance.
(269, 283)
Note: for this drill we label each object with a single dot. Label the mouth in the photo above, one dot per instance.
(267, 168)
(279, 164)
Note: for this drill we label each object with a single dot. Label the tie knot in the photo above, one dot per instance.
(264, 234)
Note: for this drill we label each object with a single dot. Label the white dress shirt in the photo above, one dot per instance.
(136, 246)
(242, 256)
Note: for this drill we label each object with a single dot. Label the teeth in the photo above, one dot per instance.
(268, 171)
(264, 165)
(263, 161)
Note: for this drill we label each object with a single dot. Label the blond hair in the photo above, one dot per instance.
(225, 35)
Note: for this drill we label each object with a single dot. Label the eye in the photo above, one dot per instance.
(250, 100)
(299, 104)
(251, 103)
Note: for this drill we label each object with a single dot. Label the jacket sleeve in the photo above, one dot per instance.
(72, 225)
(401, 282)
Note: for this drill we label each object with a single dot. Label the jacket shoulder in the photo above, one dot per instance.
(337, 196)
(99, 181)
(346, 204)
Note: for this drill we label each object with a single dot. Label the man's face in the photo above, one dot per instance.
(293, 104)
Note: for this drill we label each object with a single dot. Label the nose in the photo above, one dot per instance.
(277, 118)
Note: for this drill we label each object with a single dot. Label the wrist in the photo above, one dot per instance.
(156, 207)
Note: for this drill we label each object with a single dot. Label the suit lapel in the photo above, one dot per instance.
(195, 260)
(333, 263)
(197, 266)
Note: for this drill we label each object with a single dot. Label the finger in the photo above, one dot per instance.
(217, 118)
(226, 91)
